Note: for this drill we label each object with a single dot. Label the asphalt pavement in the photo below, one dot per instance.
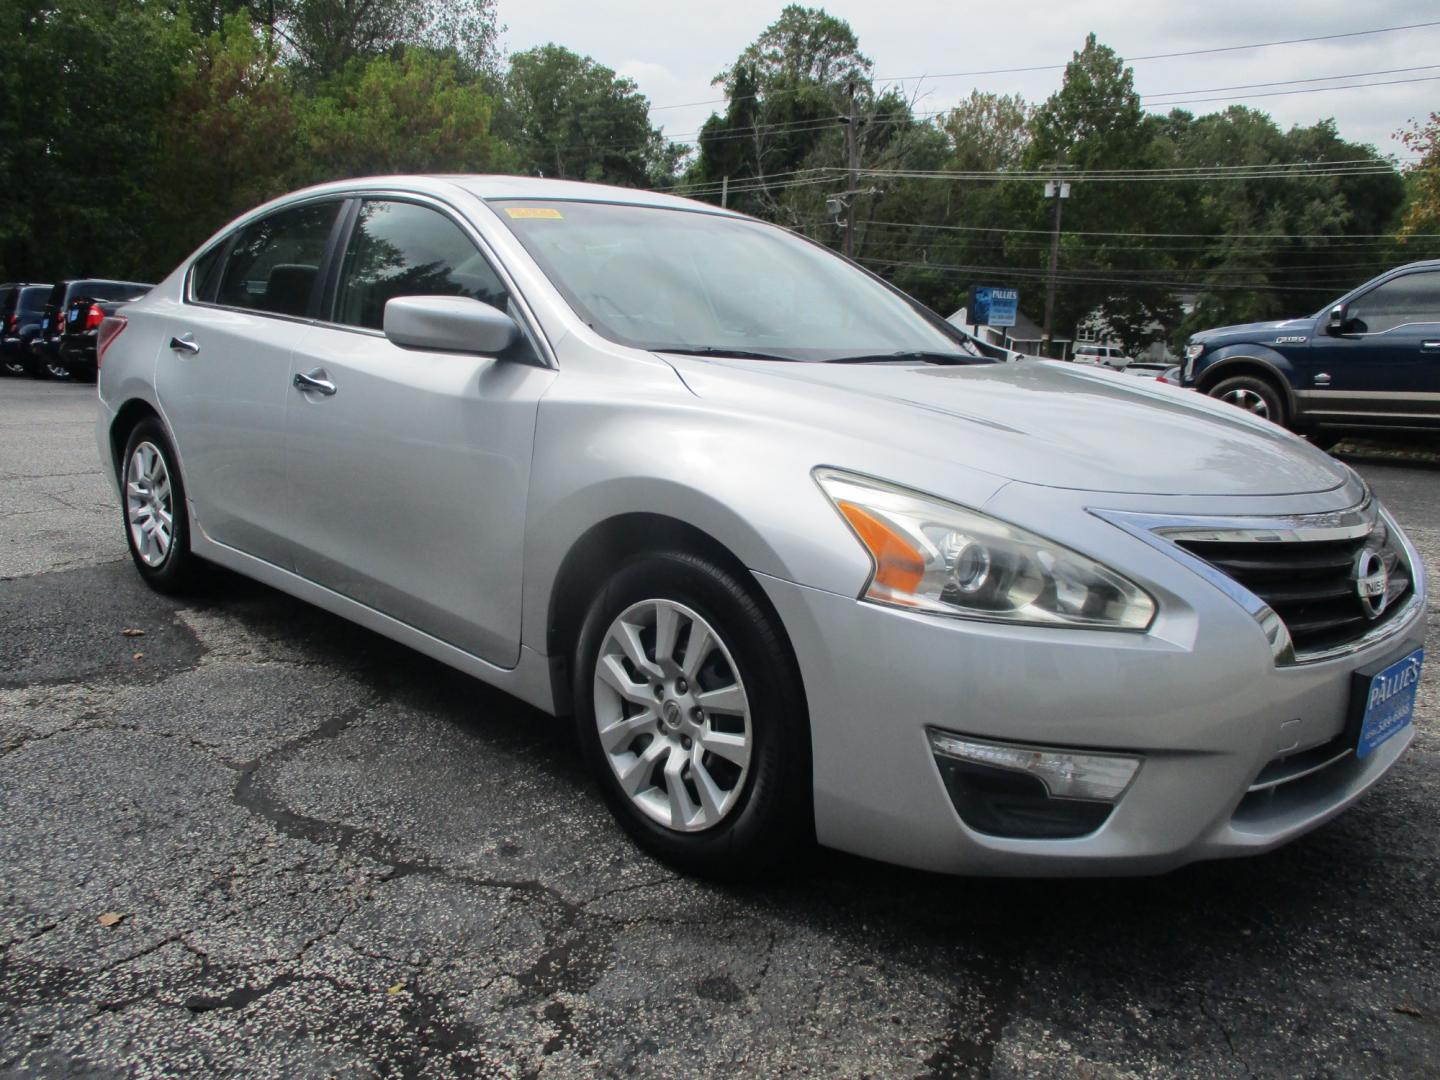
(240, 835)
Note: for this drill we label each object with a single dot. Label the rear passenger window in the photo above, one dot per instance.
(275, 261)
(401, 249)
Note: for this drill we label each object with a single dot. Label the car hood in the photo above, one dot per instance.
(1037, 422)
(1255, 331)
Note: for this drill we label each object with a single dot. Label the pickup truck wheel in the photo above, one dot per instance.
(1252, 394)
(690, 715)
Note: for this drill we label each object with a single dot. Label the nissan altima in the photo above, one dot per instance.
(798, 561)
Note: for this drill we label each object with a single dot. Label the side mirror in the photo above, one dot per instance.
(454, 324)
(1335, 321)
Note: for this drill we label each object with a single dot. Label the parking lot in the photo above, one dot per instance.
(237, 833)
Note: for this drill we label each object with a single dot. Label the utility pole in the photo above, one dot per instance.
(852, 152)
(724, 192)
(1059, 190)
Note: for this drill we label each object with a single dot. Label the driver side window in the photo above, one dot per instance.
(1413, 298)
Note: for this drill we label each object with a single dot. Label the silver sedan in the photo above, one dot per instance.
(798, 560)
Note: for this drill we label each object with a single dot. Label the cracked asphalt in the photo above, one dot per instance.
(330, 856)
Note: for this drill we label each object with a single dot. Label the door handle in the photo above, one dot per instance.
(1430, 346)
(315, 380)
(185, 343)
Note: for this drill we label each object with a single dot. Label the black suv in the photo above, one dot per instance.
(46, 346)
(21, 308)
(1369, 361)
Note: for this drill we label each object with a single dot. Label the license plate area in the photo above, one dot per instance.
(1382, 701)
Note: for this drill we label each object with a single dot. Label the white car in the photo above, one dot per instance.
(1105, 355)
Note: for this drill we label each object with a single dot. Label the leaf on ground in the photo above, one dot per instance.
(396, 988)
(131, 631)
(1408, 1010)
(138, 656)
(110, 918)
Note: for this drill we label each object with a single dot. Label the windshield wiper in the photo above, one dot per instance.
(896, 357)
(720, 350)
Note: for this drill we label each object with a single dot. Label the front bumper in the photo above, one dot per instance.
(1199, 699)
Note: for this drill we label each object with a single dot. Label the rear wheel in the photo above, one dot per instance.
(58, 371)
(157, 528)
(1254, 395)
(690, 714)
(13, 365)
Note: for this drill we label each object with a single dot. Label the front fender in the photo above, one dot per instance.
(1231, 359)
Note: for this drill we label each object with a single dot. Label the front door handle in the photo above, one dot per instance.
(185, 343)
(315, 380)
(1430, 346)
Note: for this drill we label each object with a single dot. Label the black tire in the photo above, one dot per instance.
(1325, 440)
(53, 369)
(179, 568)
(1240, 389)
(772, 814)
(13, 365)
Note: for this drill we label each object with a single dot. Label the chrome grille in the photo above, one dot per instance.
(1311, 585)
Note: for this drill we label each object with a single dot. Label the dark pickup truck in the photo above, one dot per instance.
(1368, 362)
(65, 347)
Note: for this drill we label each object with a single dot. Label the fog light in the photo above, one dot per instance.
(1028, 792)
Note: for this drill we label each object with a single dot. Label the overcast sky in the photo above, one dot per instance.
(673, 49)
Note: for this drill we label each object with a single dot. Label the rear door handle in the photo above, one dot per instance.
(185, 343)
(317, 381)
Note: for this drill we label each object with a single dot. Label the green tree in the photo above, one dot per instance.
(231, 139)
(786, 93)
(412, 112)
(570, 117)
(1095, 122)
(86, 88)
(1422, 214)
(325, 36)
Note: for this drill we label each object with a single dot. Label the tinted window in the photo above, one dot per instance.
(205, 275)
(276, 260)
(400, 249)
(1409, 299)
(109, 290)
(33, 299)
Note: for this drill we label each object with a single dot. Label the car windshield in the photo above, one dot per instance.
(690, 281)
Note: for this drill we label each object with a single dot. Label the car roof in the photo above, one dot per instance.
(498, 186)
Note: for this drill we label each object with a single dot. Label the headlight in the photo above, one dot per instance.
(1193, 350)
(935, 556)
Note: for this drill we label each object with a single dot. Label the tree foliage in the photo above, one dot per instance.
(1422, 214)
(572, 118)
(130, 130)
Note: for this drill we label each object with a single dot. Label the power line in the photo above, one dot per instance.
(1287, 93)
(1168, 236)
(1061, 67)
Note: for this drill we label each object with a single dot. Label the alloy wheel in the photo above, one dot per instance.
(149, 505)
(1248, 400)
(673, 718)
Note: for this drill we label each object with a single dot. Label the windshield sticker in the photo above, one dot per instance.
(532, 212)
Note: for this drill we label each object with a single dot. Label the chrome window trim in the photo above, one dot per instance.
(1163, 531)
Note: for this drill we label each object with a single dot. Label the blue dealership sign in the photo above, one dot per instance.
(991, 305)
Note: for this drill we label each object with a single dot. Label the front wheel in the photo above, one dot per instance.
(690, 713)
(157, 528)
(1255, 396)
